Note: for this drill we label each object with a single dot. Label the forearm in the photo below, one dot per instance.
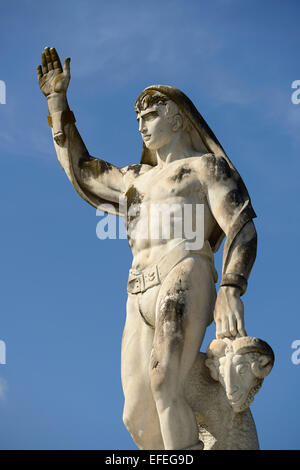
(57, 102)
(92, 174)
(65, 134)
(241, 258)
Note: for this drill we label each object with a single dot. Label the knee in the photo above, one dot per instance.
(130, 422)
(126, 423)
(129, 419)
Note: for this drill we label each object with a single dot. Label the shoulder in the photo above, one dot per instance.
(212, 167)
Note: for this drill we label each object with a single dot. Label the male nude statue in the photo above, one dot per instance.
(171, 289)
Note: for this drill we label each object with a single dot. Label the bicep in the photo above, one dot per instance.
(224, 197)
(102, 178)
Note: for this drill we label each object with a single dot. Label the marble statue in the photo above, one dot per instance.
(175, 396)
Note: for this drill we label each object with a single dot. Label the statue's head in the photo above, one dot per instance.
(160, 119)
(240, 365)
(163, 111)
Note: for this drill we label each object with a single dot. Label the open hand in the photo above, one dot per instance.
(51, 76)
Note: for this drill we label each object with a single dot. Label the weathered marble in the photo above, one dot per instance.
(179, 203)
(240, 365)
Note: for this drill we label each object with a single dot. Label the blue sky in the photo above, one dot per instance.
(63, 291)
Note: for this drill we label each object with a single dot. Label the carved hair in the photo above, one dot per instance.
(242, 345)
(151, 97)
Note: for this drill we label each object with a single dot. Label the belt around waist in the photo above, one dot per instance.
(140, 281)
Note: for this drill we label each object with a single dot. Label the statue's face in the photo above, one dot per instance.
(237, 378)
(155, 128)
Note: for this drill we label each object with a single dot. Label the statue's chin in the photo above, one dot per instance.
(150, 146)
(242, 404)
(238, 407)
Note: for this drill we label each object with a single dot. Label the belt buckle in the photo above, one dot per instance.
(136, 283)
(140, 283)
(151, 278)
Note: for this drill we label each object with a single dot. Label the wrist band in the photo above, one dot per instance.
(235, 280)
(66, 117)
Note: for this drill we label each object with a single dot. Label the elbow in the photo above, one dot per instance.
(249, 240)
(253, 239)
(249, 234)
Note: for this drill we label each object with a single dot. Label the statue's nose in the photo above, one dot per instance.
(230, 380)
(142, 126)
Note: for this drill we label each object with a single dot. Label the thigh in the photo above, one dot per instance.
(183, 310)
(137, 343)
(140, 415)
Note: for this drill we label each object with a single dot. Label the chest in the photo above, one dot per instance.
(178, 181)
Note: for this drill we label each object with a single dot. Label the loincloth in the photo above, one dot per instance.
(140, 281)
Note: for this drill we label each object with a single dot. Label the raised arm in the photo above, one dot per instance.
(234, 215)
(96, 181)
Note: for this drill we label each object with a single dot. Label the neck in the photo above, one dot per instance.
(179, 147)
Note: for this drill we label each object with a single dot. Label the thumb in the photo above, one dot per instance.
(66, 67)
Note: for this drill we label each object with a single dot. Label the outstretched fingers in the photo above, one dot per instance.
(67, 66)
(44, 63)
(50, 61)
(48, 58)
(55, 59)
(39, 72)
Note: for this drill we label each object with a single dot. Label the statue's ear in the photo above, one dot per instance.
(177, 122)
(262, 366)
(211, 364)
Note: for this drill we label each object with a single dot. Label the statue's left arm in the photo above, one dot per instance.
(233, 213)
